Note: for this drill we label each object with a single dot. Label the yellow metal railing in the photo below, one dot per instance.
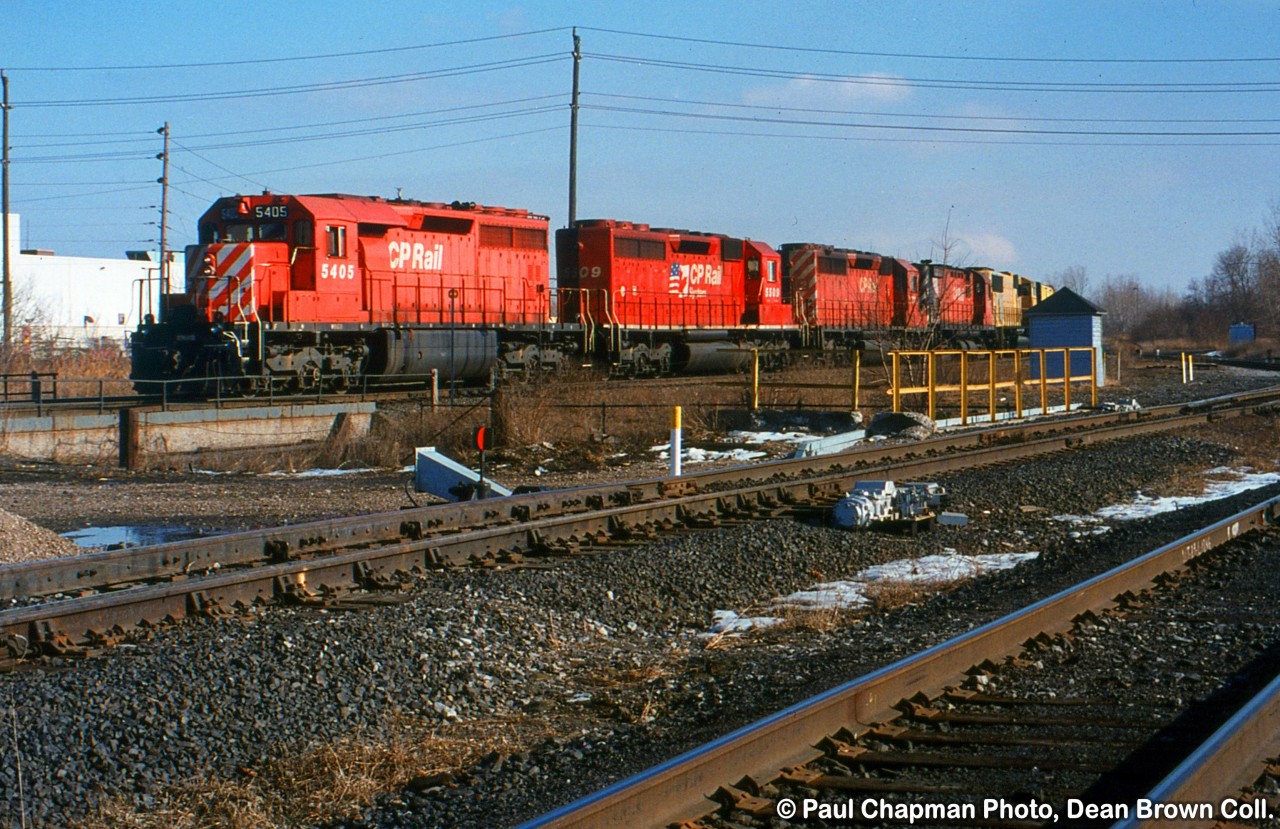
(1006, 369)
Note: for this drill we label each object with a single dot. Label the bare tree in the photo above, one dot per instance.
(1075, 277)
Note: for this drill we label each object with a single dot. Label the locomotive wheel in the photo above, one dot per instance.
(307, 379)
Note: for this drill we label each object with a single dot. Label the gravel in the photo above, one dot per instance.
(607, 653)
(21, 540)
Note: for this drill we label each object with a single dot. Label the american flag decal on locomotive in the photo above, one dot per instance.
(221, 280)
(676, 285)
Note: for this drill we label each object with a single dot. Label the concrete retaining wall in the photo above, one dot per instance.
(78, 438)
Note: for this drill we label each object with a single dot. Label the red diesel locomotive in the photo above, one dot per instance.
(300, 290)
(331, 291)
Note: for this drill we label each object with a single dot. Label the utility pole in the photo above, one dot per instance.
(4, 219)
(573, 131)
(163, 181)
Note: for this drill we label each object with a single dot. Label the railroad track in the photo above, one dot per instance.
(971, 732)
(75, 607)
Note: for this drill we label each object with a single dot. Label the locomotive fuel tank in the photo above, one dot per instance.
(718, 357)
(461, 354)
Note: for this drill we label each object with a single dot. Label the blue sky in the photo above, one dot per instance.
(1036, 136)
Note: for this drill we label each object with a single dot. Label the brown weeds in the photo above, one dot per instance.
(885, 595)
(329, 780)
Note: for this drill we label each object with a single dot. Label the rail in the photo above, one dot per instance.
(1228, 762)
(676, 790)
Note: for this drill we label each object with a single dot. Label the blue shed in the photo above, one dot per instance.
(1065, 319)
(1241, 332)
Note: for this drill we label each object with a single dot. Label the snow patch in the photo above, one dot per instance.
(851, 594)
(1144, 506)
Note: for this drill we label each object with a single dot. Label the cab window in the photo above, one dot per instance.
(337, 241)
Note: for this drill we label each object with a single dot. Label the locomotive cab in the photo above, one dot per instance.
(767, 303)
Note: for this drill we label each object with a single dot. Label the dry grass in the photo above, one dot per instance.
(885, 596)
(817, 619)
(327, 781)
(81, 368)
(1254, 442)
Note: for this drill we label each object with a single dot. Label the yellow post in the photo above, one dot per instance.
(896, 394)
(1017, 382)
(1182, 359)
(991, 385)
(1066, 379)
(857, 377)
(933, 385)
(755, 379)
(1044, 384)
(677, 448)
(1093, 377)
(964, 388)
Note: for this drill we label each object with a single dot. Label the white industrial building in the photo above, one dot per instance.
(79, 302)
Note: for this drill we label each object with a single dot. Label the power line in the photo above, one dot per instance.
(259, 61)
(944, 83)
(75, 183)
(82, 195)
(327, 86)
(925, 56)
(373, 118)
(472, 119)
(149, 137)
(414, 150)
(932, 140)
(930, 128)
(233, 173)
(332, 163)
(932, 116)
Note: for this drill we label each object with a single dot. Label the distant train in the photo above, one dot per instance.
(332, 291)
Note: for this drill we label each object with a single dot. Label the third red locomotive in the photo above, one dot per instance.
(329, 291)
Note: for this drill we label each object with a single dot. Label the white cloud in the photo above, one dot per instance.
(810, 92)
(990, 249)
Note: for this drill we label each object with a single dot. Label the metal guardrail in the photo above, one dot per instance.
(1023, 366)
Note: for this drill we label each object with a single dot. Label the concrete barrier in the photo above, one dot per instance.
(133, 436)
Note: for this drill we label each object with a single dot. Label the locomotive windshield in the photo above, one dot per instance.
(244, 232)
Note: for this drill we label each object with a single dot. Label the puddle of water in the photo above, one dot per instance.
(138, 536)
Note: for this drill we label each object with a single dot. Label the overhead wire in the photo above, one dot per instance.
(292, 59)
(897, 139)
(924, 56)
(326, 86)
(966, 129)
(930, 116)
(970, 84)
(669, 113)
